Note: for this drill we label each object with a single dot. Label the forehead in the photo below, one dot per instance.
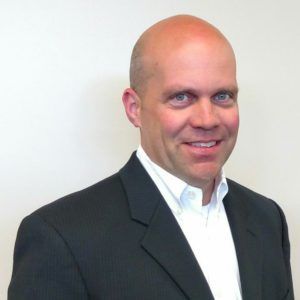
(195, 63)
(196, 54)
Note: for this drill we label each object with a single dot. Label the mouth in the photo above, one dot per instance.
(208, 144)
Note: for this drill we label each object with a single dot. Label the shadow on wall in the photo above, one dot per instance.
(106, 126)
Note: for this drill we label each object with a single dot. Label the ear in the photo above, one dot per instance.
(132, 105)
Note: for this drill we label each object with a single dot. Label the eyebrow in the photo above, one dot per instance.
(172, 90)
(233, 89)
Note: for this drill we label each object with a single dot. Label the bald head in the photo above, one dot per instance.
(164, 37)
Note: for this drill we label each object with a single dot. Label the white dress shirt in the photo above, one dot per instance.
(206, 228)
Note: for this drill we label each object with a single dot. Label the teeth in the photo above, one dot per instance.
(206, 145)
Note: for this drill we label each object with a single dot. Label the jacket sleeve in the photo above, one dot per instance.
(286, 252)
(44, 267)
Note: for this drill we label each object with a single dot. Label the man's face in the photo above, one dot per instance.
(188, 113)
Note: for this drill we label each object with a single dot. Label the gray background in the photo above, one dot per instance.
(64, 65)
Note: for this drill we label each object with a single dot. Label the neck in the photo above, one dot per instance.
(207, 192)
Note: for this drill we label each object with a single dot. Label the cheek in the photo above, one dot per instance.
(236, 123)
(232, 123)
(171, 123)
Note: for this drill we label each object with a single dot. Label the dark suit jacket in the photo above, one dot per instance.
(118, 239)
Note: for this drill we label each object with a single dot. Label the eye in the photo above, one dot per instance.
(223, 96)
(181, 99)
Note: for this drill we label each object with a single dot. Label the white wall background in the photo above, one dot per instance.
(64, 64)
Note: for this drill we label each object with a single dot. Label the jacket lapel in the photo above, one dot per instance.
(165, 242)
(163, 239)
(247, 243)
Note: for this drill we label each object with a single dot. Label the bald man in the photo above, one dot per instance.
(168, 225)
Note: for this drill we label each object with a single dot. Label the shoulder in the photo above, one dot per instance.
(237, 188)
(108, 187)
(256, 203)
(88, 206)
(247, 194)
(54, 241)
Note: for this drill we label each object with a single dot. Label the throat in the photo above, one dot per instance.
(207, 193)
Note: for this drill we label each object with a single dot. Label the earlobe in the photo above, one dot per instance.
(131, 102)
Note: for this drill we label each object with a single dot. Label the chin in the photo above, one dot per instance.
(203, 177)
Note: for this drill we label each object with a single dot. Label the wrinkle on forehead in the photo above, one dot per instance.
(167, 37)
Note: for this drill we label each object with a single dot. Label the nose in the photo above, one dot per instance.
(204, 115)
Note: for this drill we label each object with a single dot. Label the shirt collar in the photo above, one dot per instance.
(180, 189)
(174, 184)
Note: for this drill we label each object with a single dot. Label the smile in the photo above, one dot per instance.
(203, 144)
